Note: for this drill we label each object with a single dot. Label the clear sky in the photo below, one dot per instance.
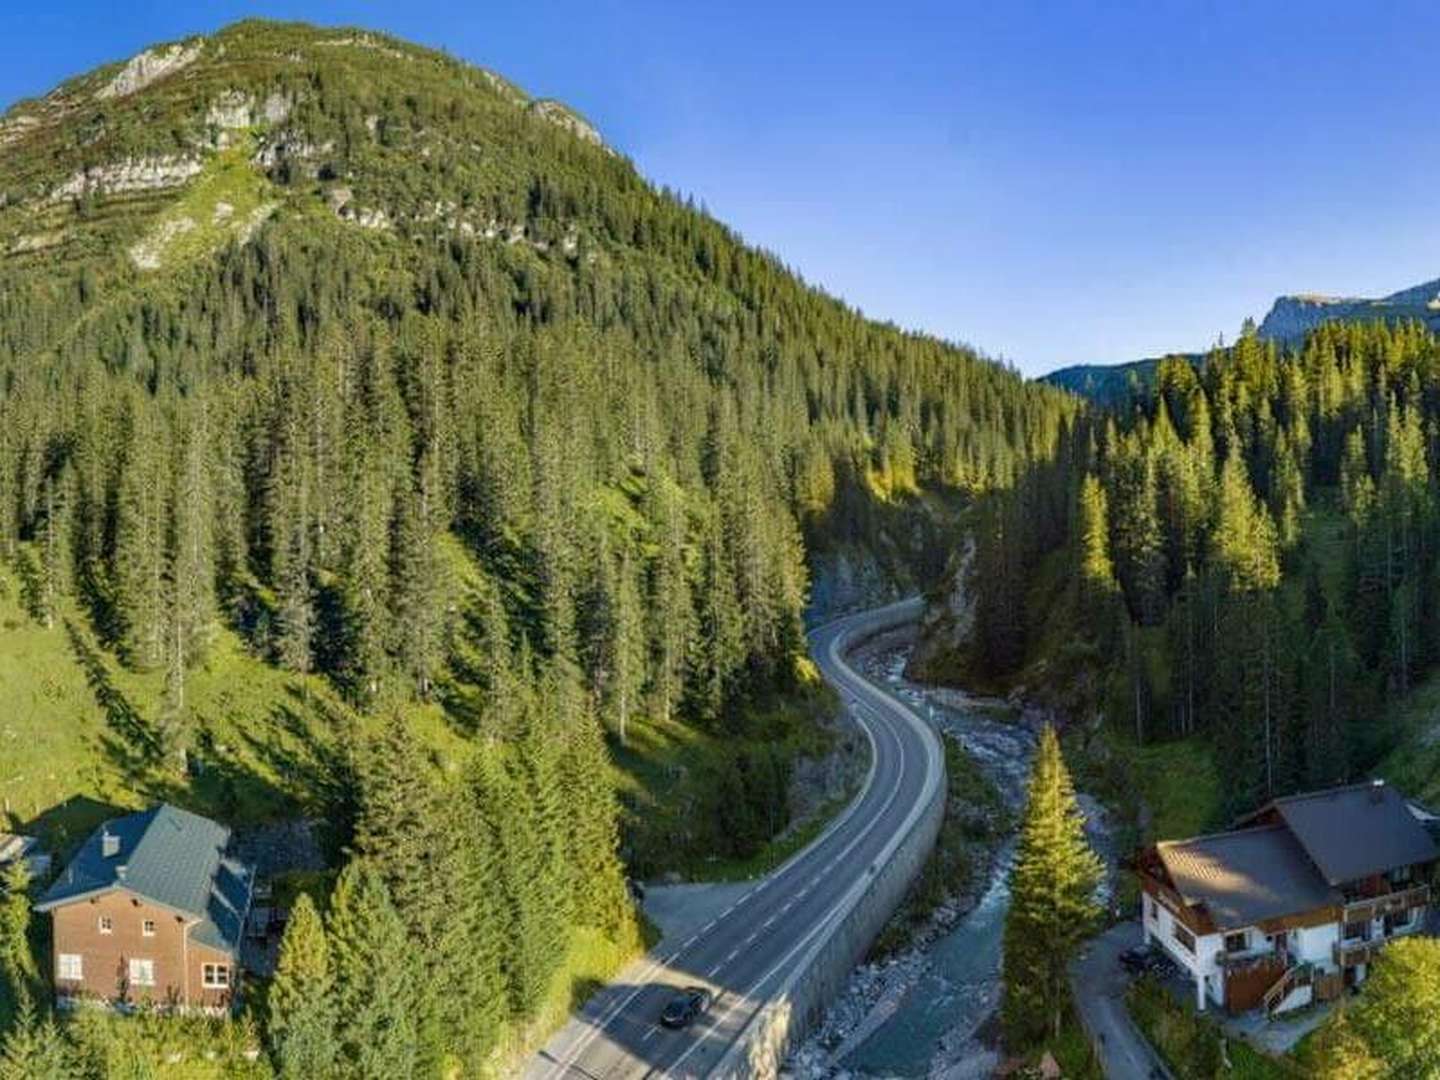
(1051, 183)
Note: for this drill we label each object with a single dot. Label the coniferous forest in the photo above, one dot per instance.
(468, 415)
(1246, 552)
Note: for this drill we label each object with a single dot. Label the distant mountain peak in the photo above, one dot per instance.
(1292, 317)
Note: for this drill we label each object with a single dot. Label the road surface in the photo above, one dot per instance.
(1099, 984)
(746, 951)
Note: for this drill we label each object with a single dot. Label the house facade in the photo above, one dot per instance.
(1292, 905)
(151, 910)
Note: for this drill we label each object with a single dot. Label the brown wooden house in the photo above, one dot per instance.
(151, 909)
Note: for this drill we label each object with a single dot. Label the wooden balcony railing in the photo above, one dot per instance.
(1372, 908)
(1350, 953)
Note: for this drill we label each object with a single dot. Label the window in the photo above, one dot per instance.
(148, 928)
(1236, 942)
(1399, 875)
(142, 972)
(1183, 936)
(215, 976)
(71, 967)
(1357, 931)
(107, 924)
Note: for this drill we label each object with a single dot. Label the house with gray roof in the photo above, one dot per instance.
(151, 909)
(1293, 904)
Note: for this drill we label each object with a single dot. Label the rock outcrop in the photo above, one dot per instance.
(235, 109)
(568, 119)
(132, 174)
(150, 66)
(1292, 317)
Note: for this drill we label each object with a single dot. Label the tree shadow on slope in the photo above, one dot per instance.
(136, 745)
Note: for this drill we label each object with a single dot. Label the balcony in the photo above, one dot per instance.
(1375, 907)
(1265, 955)
(1350, 953)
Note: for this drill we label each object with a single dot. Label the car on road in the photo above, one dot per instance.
(685, 1006)
(1136, 959)
(1147, 960)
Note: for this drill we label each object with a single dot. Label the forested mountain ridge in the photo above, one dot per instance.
(1242, 561)
(1289, 320)
(343, 356)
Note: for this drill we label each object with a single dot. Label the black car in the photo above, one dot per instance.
(685, 1006)
(1136, 959)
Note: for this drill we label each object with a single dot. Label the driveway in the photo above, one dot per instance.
(1098, 983)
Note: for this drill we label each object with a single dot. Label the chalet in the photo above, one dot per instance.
(1292, 905)
(151, 909)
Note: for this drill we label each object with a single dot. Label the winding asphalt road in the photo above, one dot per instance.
(746, 952)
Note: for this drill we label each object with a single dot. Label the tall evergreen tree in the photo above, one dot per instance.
(301, 1000)
(1052, 900)
(373, 977)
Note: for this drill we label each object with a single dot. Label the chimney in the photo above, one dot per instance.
(109, 844)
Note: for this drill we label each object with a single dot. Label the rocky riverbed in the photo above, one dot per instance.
(926, 1010)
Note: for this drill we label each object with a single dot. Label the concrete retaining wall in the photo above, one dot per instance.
(799, 1002)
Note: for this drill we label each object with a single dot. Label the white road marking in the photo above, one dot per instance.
(861, 712)
(649, 1033)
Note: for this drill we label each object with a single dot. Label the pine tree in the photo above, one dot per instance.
(35, 1049)
(1052, 900)
(17, 961)
(374, 974)
(302, 999)
(1246, 546)
(1097, 572)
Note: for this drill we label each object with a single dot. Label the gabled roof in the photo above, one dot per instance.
(1245, 877)
(1354, 832)
(170, 857)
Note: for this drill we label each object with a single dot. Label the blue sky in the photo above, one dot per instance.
(1051, 183)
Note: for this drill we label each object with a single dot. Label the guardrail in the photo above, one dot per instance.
(800, 1001)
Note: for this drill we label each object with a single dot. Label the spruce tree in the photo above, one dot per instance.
(1052, 900)
(301, 1000)
(17, 961)
(373, 977)
(35, 1049)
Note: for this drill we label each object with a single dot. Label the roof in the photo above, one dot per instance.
(1245, 877)
(13, 846)
(1357, 831)
(170, 857)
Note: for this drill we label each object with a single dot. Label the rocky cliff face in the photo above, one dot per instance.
(1292, 317)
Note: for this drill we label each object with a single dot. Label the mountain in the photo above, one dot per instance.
(1289, 320)
(380, 447)
(1109, 385)
(1292, 317)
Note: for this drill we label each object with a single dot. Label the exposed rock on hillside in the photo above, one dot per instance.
(142, 174)
(150, 66)
(236, 109)
(568, 119)
(1292, 317)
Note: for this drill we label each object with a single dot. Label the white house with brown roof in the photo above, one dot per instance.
(1290, 906)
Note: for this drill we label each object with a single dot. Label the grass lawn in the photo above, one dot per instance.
(1180, 783)
(78, 732)
(1414, 765)
(1194, 1046)
(667, 775)
(592, 961)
